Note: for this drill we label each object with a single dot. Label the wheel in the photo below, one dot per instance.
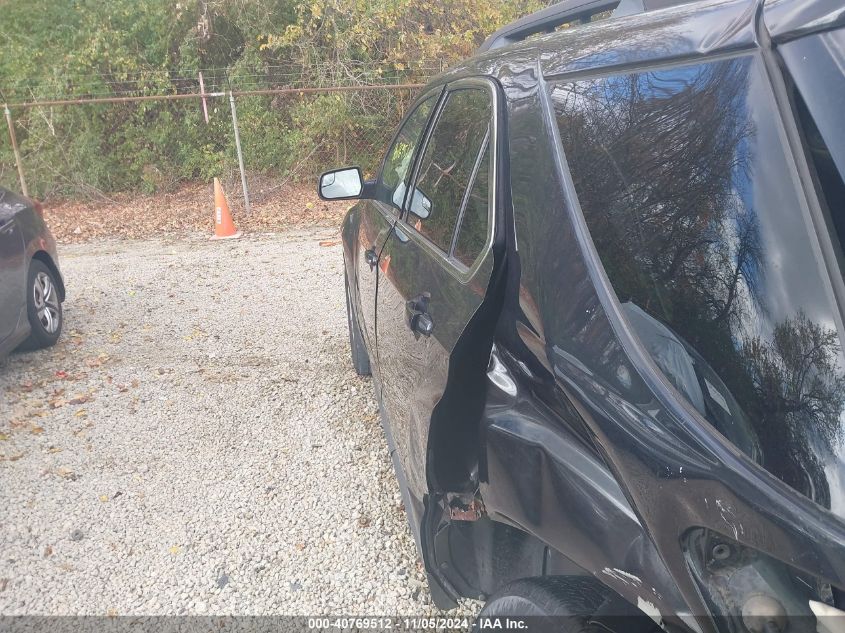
(43, 307)
(563, 604)
(360, 358)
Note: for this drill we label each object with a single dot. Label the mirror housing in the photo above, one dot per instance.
(420, 204)
(345, 183)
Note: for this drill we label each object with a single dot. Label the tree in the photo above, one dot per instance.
(78, 48)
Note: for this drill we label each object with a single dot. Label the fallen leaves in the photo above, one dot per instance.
(67, 473)
(82, 429)
(189, 209)
(97, 361)
(58, 401)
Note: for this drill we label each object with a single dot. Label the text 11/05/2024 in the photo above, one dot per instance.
(401, 623)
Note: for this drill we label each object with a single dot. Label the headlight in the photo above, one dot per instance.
(750, 592)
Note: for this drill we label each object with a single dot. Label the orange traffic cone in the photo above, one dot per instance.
(224, 228)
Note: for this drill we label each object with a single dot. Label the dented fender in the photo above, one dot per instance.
(551, 482)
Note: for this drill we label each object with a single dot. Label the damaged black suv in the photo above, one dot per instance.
(599, 283)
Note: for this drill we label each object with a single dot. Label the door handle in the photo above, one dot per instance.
(371, 258)
(417, 316)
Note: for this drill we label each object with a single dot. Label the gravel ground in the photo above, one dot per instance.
(198, 442)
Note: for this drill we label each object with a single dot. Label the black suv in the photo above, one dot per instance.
(599, 282)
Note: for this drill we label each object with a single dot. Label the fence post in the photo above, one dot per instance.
(204, 103)
(238, 148)
(17, 153)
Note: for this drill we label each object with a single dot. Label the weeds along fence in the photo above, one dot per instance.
(89, 135)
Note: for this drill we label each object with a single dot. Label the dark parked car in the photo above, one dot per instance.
(31, 286)
(599, 283)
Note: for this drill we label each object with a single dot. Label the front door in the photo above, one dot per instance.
(12, 268)
(435, 267)
(377, 216)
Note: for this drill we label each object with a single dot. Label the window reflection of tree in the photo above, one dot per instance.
(449, 159)
(797, 383)
(394, 177)
(662, 164)
(472, 232)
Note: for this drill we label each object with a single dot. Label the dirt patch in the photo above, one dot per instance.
(188, 210)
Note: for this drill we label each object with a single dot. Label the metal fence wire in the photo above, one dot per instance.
(153, 131)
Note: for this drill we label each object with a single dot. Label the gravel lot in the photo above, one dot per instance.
(199, 443)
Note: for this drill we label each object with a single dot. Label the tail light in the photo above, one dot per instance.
(39, 208)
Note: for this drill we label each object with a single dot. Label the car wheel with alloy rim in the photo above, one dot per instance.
(43, 307)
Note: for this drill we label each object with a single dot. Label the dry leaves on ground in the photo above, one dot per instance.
(188, 210)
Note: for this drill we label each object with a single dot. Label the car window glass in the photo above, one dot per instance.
(472, 234)
(821, 89)
(447, 164)
(831, 186)
(684, 181)
(396, 172)
(819, 97)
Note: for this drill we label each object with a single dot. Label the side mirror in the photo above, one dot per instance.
(341, 184)
(420, 205)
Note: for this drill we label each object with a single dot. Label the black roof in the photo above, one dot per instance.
(684, 30)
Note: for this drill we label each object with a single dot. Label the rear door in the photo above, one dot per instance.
(378, 215)
(435, 267)
(12, 265)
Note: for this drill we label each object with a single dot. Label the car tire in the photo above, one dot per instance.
(360, 357)
(563, 604)
(43, 307)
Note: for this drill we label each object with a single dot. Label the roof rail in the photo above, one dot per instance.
(546, 21)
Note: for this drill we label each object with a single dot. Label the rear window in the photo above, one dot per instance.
(815, 65)
(685, 186)
(472, 235)
(826, 175)
(448, 163)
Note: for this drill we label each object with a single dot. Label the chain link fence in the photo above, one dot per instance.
(152, 132)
